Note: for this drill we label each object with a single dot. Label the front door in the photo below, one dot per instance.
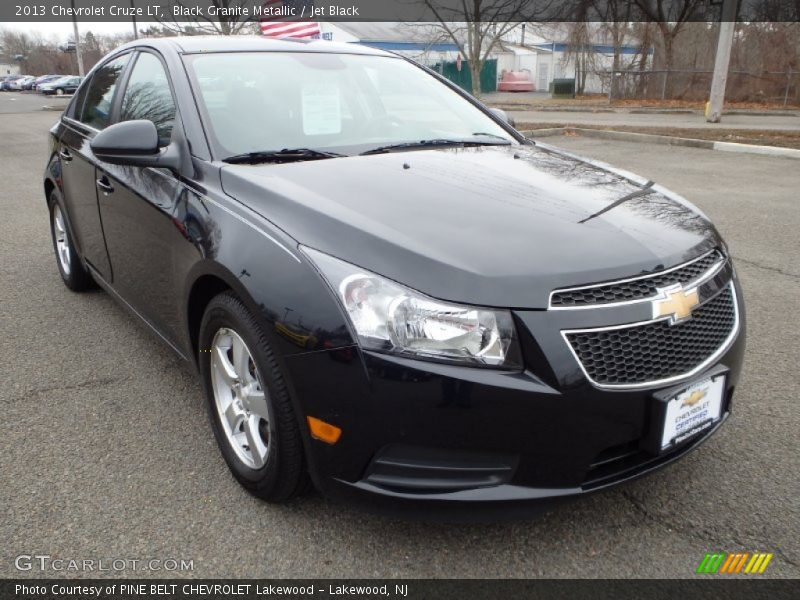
(544, 77)
(137, 207)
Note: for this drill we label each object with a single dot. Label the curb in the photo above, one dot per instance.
(667, 111)
(53, 108)
(666, 140)
(544, 108)
(641, 110)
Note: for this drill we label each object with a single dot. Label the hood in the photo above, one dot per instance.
(492, 226)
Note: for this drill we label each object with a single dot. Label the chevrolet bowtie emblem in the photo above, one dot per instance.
(694, 398)
(676, 303)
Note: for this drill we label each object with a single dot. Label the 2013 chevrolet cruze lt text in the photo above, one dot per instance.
(385, 289)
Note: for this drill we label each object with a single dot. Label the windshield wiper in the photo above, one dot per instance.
(431, 143)
(285, 155)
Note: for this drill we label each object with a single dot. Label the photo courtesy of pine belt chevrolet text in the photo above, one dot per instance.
(386, 291)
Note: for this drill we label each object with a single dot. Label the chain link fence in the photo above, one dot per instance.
(773, 87)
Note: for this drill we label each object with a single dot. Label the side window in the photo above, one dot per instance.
(75, 107)
(97, 108)
(148, 97)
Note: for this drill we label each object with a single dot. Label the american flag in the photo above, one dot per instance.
(286, 25)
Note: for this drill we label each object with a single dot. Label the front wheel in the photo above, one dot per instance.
(248, 402)
(59, 92)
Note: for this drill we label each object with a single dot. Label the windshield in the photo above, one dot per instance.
(342, 103)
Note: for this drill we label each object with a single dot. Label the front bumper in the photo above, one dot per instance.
(504, 442)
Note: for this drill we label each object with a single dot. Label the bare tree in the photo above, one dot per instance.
(476, 27)
(42, 56)
(579, 52)
(155, 31)
(670, 16)
(616, 17)
(38, 56)
(784, 11)
(227, 21)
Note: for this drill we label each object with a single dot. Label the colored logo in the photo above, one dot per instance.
(675, 303)
(694, 398)
(735, 563)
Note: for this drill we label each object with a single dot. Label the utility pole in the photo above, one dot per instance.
(722, 60)
(135, 29)
(78, 53)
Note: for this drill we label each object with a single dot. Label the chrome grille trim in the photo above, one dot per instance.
(709, 274)
(726, 344)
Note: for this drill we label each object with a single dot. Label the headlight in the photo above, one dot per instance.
(391, 318)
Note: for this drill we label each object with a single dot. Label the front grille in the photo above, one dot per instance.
(645, 287)
(654, 351)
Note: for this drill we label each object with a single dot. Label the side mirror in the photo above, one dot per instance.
(503, 116)
(135, 144)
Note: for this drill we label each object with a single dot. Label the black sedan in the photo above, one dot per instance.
(384, 288)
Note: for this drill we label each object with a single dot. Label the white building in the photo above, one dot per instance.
(545, 52)
(8, 66)
(418, 41)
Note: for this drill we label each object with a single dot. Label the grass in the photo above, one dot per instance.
(600, 101)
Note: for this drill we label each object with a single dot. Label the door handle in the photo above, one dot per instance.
(104, 185)
(65, 155)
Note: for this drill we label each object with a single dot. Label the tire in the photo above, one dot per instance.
(59, 92)
(259, 438)
(73, 272)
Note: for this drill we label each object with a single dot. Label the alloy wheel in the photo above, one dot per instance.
(62, 239)
(240, 399)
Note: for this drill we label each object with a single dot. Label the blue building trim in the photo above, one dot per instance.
(398, 46)
(599, 48)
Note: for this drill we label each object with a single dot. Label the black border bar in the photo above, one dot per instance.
(700, 587)
(485, 11)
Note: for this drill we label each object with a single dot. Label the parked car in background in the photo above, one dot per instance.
(8, 82)
(61, 86)
(30, 81)
(44, 79)
(20, 83)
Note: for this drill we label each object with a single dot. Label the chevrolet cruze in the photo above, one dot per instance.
(385, 289)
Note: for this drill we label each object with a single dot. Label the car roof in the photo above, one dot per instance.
(249, 43)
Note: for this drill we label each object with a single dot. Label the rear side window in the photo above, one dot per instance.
(100, 95)
(148, 96)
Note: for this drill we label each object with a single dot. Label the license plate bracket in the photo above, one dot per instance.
(682, 413)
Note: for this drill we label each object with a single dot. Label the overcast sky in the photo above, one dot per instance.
(63, 30)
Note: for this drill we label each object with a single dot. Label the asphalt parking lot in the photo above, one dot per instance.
(107, 452)
(24, 102)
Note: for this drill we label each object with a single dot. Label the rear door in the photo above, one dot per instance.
(90, 114)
